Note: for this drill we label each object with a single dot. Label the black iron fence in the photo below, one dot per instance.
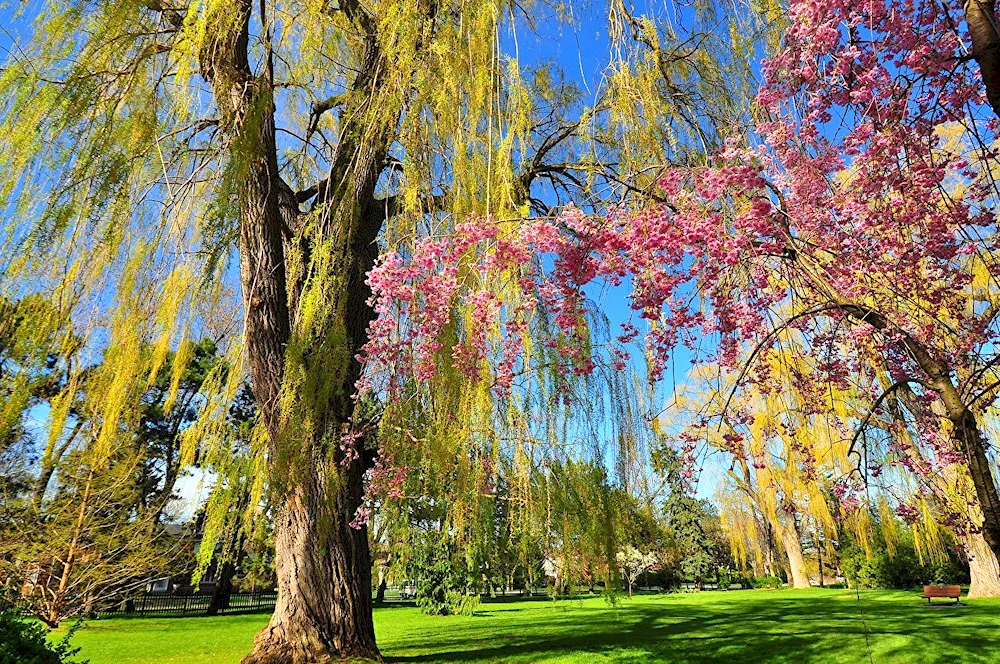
(155, 604)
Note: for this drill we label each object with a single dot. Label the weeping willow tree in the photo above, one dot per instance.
(506, 488)
(815, 452)
(148, 142)
(785, 447)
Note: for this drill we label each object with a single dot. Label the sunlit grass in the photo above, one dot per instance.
(741, 626)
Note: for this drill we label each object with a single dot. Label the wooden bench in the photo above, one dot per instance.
(951, 592)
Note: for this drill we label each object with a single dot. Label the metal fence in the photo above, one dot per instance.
(153, 604)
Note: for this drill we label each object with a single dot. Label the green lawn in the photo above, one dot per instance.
(741, 626)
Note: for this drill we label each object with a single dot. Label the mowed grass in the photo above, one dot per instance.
(741, 626)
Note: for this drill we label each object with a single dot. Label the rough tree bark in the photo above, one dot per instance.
(984, 569)
(322, 564)
(981, 18)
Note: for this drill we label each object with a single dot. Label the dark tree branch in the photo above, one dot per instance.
(173, 15)
(766, 341)
(321, 107)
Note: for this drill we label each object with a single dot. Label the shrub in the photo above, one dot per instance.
(769, 581)
(902, 571)
(24, 641)
(462, 604)
(667, 578)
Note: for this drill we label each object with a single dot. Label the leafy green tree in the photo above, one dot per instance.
(89, 546)
(98, 535)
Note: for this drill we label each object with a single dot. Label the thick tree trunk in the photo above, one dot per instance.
(970, 439)
(323, 566)
(792, 544)
(980, 15)
(983, 567)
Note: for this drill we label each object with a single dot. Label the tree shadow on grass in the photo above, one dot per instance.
(765, 628)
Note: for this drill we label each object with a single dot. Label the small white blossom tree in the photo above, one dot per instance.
(632, 562)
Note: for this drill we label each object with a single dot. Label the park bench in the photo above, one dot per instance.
(951, 592)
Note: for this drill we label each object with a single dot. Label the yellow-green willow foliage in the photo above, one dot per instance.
(740, 522)
(141, 141)
(789, 452)
(799, 446)
(122, 185)
(519, 488)
(661, 87)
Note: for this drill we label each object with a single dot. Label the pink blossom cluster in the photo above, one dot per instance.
(845, 207)
(384, 481)
(850, 493)
(418, 299)
(907, 513)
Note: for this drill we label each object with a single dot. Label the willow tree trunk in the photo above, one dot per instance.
(792, 544)
(984, 569)
(322, 563)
